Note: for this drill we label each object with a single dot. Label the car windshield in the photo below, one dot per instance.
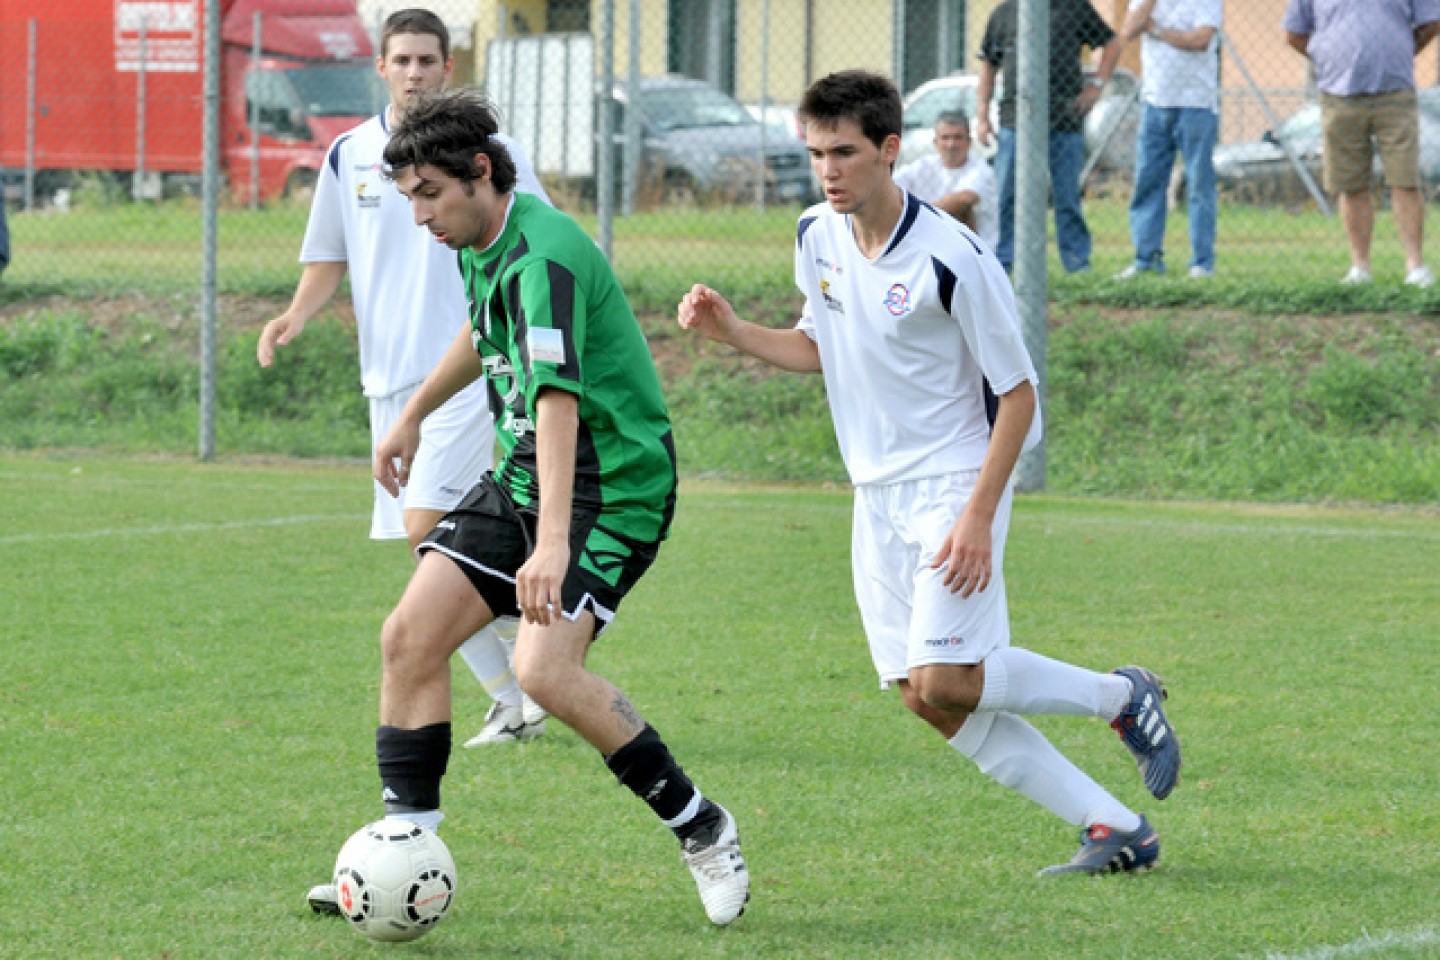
(339, 90)
(921, 113)
(675, 108)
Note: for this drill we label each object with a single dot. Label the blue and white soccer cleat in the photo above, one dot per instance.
(1102, 850)
(1143, 727)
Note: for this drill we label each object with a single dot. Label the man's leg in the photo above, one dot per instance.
(1409, 207)
(1072, 235)
(550, 661)
(488, 657)
(1005, 183)
(439, 609)
(1357, 212)
(1154, 156)
(1197, 130)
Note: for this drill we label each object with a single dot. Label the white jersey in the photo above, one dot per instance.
(409, 301)
(1171, 77)
(929, 179)
(908, 342)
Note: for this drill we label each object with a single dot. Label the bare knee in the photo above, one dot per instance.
(402, 654)
(949, 687)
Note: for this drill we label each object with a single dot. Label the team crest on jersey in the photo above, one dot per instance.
(366, 201)
(832, 302)
(897, 300)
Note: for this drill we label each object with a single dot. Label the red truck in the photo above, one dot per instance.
(117, 86)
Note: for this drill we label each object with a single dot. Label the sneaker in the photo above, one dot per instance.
(1355, 275)
(1420, 277)
(1102, 850)
(505, 725)
(719, 872)
(1136, 270)
(324, 900)
(1143, 727)
(533, 714)
(1198, 272)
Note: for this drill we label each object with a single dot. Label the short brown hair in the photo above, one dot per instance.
(417, 21)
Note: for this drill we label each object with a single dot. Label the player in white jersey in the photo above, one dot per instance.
(955, 180)
(409, 304)
(912, 322)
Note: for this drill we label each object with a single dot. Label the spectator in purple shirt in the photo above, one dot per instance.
(1363, 53)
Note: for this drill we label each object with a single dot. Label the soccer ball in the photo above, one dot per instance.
(394, 880)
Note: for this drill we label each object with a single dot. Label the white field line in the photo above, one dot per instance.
(1220, 526)
(1368, 945)
(174, 528)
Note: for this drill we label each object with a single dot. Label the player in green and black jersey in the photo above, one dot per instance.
(573, 515)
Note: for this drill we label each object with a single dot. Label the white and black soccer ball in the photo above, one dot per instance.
(394, 880)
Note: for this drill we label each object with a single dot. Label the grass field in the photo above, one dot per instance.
(188, 700)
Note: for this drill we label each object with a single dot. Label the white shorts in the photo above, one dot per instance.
(911, 618)
(457, 446)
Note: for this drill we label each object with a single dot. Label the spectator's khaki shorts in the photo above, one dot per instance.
(1390, 120)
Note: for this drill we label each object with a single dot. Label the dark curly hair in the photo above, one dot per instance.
(445, 130)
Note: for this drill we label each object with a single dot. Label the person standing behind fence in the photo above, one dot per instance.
(1363, 55)
(1074, 25)
(1180, 77)
(955, 180)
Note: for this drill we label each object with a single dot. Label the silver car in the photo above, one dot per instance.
(1118, 106)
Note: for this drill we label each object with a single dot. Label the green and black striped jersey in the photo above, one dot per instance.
(547, 312)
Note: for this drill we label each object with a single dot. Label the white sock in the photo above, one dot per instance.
(1019, 681)
(1013, 753)
(486, 655)
(429, 819)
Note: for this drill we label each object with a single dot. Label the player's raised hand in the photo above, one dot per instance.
(278, 333)
(708, 313)
(394, 454)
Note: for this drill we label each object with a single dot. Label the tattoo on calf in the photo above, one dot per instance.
(623, 708)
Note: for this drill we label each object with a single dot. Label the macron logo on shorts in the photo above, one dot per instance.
(944, 641)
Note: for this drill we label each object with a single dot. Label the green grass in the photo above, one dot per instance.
(189, 696)
(1270, 258)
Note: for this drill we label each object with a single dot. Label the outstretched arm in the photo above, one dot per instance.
(710, 314)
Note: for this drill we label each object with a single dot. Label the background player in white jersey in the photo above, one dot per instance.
(409, 304)
(911, 322)
(955, 180)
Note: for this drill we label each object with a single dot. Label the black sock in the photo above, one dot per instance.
(647, 768)
(412, 763)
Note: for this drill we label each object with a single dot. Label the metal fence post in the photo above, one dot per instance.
(1032, 169)
(210, 189)
(137, 182)
(255, 115)
(605, 138)
(30, 95)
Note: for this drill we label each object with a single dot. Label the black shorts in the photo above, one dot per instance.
(491, 538)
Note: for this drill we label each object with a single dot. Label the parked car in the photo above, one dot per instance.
(1260, 171)
(700, 143)
(1118, 104)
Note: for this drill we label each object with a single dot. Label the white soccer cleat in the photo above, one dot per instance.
(324, 899)
(505, 725)
(533, 714)
(720, 873)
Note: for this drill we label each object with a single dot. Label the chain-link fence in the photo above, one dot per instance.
(702, 168)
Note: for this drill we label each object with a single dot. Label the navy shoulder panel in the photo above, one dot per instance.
(333, 158)
(944, 282)
(805, 224)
